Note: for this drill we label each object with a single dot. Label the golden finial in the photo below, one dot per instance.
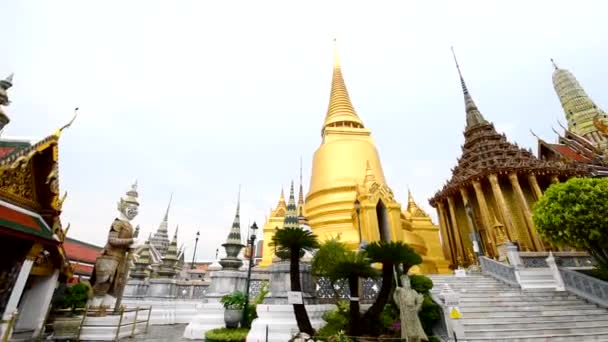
(58, 132)
(336, 55)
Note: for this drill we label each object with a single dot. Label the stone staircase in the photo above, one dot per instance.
(494, 311)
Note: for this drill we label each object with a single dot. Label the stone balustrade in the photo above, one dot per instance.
(503, 272)
(563, 259)
(590, 288)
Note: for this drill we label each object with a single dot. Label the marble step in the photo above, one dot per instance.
(476, 299)
(548, 332)
(537, 307)
(565, 322)
(523, 302)
(532, 313)
(584, 316)
(542, 338)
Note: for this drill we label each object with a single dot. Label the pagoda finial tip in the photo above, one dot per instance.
(336, 55)
(554, 65)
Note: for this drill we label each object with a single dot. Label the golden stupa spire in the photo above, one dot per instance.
(282, 200)
(474, 116)
(340, 112)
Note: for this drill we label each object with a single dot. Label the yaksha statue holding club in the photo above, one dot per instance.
(109, 274)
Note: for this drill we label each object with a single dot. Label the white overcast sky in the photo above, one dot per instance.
(195, 97)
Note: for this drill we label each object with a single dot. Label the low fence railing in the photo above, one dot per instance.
(563, 259)
(8, 328)
(500, 271)
(590, 288)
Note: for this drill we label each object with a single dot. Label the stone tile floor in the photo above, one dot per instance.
(161, 333)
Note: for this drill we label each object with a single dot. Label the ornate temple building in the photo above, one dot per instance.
(348, 193)
(585, 140)
(492, 190)
(160, 239)
(32, 256)
(82, 256)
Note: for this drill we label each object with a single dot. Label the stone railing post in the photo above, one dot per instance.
(559, 282)
(451, 313)
(514, 259)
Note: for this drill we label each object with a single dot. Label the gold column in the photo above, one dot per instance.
(537, 245)
(534, 185)
(502, 205)
(445, 241)
(457, 239)
(554, 179)
(485, 216)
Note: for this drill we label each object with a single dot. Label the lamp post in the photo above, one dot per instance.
(251, 242)
(195, 244)
(362, 243)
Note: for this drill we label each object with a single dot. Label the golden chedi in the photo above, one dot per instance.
(348, 193)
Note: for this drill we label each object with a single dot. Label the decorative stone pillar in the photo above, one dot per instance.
(485, 216)
(537, 244)
(460, 256)
(534, 185)
(445, 239)
(502, 205)
(471, 228)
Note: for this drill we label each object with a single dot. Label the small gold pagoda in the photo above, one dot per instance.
(492, 190)
(275, 220)
(348, 193)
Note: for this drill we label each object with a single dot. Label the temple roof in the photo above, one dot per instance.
(340, 111)
(413, 208)
(573, 148)
(485, 152)
(474, 116)
(80, 251)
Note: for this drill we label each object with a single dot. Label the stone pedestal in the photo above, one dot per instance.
(136, 288)
(162, 288)
(279, 321)
(280, 283)
(211, 316)
(224, 282)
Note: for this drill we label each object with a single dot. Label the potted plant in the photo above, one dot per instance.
(233, 305)
(66, 321)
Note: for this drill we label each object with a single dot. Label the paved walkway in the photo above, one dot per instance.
(161, 333)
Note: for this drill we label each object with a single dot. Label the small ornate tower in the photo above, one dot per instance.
(4, 101)
(233, 244)
(160, 240)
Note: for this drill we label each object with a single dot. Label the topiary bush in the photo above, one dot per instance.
(422, 284)
(75, 296)
(226, 335)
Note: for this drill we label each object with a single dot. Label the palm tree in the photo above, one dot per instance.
(389, 254)
(330, 252)
(295, 241)
(354, 265)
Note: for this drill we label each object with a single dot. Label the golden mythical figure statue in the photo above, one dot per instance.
(409, 302)
(109, 275)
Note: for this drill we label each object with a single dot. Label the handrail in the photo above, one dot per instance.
(498, 270)
(593, 289)
(9, 328)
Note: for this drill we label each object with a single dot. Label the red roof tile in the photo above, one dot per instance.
(5, 150)
(81, 251)
(569, 153)
(82, 269)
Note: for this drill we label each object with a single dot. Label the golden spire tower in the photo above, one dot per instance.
(579, 108)
(348, 194)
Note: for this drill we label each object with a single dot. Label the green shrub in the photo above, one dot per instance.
(337, 320)
(434, 339)
(75, 296)
(429, 314)
(235, 300)
(420, 283)
(226, 335)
